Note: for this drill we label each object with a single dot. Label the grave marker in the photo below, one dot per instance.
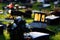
(39, 20)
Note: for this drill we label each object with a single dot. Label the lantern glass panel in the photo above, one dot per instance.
(43, 18)
(37, 17)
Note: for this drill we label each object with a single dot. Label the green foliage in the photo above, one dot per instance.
(1, 5)
(56, 29)
(56, 37)
(35, 6)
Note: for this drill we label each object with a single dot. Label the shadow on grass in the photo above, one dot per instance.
(2, 37)
(56, 29)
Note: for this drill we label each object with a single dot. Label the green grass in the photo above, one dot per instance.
(55, 29)
(1, 5)
(2, 37)
(6, 34)
(29, 20)
(56, 37)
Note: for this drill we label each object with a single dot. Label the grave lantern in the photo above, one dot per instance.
(39, 17)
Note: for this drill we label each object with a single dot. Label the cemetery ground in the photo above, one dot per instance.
(55, 28)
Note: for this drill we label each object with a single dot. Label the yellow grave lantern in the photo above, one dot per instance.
(39, 17)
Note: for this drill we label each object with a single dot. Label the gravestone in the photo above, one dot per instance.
(1, 11)
(1, 29)
(36, 36)
(52, 20)
(39, 20)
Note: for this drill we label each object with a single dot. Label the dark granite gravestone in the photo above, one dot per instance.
(1, 29)
(52, 20)
(16, 13)
(36, 36)
(43, 30)
(39, 20)
(28, 13)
